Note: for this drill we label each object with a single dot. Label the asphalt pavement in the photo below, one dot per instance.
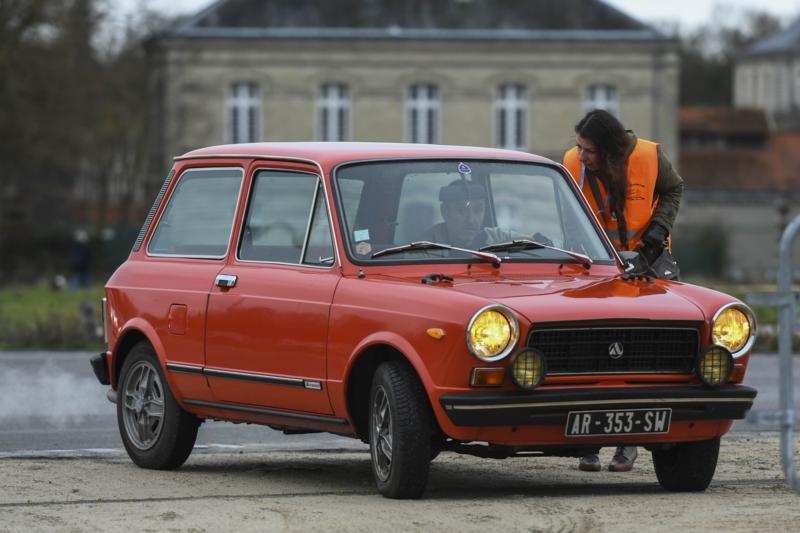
(51, 404)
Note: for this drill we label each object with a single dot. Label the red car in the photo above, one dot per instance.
(420, 298)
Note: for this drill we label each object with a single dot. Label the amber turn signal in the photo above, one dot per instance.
(436, 333)
(487, 377)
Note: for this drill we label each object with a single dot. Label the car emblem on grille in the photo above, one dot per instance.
(615, 350)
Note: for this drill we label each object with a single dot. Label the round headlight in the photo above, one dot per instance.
(714, 366)
(528, 369)
(492, 333)
(731, 329)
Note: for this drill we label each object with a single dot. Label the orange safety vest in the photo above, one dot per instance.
(639, 200)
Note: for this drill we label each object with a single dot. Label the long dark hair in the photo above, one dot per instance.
(612, 140)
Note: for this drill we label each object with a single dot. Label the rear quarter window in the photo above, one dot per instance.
(198, 219)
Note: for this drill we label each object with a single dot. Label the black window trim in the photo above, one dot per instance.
(169, 199)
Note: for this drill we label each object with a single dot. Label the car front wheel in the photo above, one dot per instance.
(156, 431)
(399, 431)
(687, 466)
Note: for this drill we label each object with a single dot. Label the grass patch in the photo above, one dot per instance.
(37, 316)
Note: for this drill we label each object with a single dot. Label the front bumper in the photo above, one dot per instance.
(550, 407)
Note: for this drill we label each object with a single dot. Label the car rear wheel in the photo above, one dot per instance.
(399, 431)
(687, 466)
(156, 431)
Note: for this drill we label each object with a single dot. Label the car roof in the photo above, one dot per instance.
(331, 153)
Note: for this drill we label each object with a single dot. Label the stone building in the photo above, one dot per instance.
(767, 77)
(509, 73)
(741, 190)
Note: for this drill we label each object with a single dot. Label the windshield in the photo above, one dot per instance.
(463, 204)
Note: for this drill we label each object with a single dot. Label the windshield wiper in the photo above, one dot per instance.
(526, 244)
(427, 245)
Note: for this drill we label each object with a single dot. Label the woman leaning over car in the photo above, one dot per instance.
(635, 193)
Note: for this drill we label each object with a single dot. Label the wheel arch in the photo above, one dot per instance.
(359, 380)
(131, 335)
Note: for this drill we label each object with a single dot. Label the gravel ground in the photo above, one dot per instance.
(316, 490)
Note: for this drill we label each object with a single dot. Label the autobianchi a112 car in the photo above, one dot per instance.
(420, 298)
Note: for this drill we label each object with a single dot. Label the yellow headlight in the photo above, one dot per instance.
(492, 334)
(731, 329)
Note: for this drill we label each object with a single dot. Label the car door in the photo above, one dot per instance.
(268, 316)
(186, 251)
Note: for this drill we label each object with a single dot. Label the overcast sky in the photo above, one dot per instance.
(687, 12)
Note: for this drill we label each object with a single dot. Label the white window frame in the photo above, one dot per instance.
(511, 116)
(423, 114)
(243, 112)
(601, 96)
(334, 112)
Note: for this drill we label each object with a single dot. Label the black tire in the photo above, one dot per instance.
(406, 434)
(163, 444)
(687, 466)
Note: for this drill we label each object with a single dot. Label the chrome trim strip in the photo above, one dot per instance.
(751, 317)
(267, 412)
(580, 328)
(188, 369)
(169, 199)
(595, 402)
(630, 373)
(260, 378)
(310, 384)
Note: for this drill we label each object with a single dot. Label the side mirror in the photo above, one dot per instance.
(629, 258)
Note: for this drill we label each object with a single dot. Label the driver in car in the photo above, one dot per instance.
(463, 208)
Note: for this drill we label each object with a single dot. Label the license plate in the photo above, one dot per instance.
(627, 422)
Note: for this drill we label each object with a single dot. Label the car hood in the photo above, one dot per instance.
(564, 299)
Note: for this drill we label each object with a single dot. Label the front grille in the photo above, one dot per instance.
(644, 350)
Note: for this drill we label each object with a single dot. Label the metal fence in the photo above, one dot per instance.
(787, 303)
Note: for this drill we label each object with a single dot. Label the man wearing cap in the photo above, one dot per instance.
(463, 209)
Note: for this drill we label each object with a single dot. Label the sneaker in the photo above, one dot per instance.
(623, 459)
(590, 463)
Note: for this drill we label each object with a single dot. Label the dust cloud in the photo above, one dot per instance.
(50, 394)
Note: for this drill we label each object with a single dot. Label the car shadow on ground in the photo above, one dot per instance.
(451, 476)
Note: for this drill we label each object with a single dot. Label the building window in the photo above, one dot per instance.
(244, 113)
(422, 112)
(511, 117)
(602, 96)
(333, 112)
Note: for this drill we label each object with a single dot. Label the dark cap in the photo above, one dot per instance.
(462, 191)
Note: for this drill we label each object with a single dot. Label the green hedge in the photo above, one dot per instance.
(37, 316)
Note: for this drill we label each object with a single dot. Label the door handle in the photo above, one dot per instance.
(227, 281)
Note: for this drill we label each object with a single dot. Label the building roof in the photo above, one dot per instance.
(785, 42)
(723, 121)
(415, 19)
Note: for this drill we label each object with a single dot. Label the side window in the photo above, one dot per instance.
(198, 219)
(278, 216)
